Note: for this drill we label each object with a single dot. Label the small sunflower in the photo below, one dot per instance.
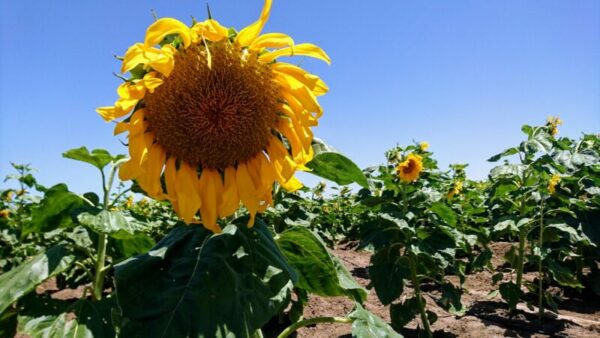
(217, 115)
(554, 180)
(9, 196)
(456, 189)
(411, 168)
(553, 122)
(424, 146)
(4, 213)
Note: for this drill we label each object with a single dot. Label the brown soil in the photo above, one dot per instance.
(486, 317)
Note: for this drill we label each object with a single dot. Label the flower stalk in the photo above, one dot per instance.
(311, 321)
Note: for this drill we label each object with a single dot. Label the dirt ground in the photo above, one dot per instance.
(485, 318)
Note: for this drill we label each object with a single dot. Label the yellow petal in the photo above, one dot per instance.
(111, 112)
(171, 178)
(247, 35)
(231, 200)
(133, 57)
(210, 30)
(131, 91)
(121, 127)
(153, 166)
(126, 105)
(271, 40)
(292, 184)
(301, 100)
(162, 60)
(211, 191)
(188, 196)
(313, 82)
(137, 151)
(151, 81)
(137, 125)
(247, 191)
(158, 30)
(304, 49)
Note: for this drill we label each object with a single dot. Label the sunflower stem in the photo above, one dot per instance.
(540, 267)
(292, 328)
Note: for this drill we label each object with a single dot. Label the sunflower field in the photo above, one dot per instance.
(202, 229)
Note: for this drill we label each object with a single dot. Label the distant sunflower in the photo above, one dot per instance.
(215, 114)
(553, 122)
(410, 169)
(456, 189)
(554, 180)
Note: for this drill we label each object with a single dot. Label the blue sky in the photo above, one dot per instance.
(463, 75)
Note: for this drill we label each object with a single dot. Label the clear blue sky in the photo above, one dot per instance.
(463, 75)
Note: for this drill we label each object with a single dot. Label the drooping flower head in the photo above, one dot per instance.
(456, 189)
(216, 115)
(410, 169)
(554, 180)
(553, 122)
(424, 146)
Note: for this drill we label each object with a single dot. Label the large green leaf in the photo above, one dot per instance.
(507, 170)
(99, 158)
(82, 319)
(318, 271)
(24, 278)
(388, 271)
(368, 325)
(54, 210)
(117, 224)
(444, 212)
(507, 152)
(198, 284)
(332, 165)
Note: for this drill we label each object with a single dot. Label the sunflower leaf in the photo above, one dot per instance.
(237, 280)
(332, 165)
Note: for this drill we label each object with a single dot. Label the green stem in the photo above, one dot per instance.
(540, 272)
(521, 254)
(419, 298)
(100, 260)
(306, 322)
(98, 282)
(521, 258)
(404, 200)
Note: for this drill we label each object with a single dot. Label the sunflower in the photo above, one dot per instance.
(554, 180)
(553, 122)
(456, 189)
(424, 146)
(213, 118)
(411, 168)
(4, 213)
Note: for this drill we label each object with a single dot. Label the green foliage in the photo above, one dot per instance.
(318, 272)
(237, 280)
(331, 165)
(24, 278)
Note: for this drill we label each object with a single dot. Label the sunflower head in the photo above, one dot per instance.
(554, 180)
(213, 118)
(4, 213)
(410, 169)
(9, 196)
(129, 202)
(424, 146)
(552, 123)
(456, 189)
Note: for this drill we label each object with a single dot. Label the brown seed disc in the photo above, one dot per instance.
(214, 116)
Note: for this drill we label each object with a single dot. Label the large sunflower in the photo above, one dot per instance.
(213, 112)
